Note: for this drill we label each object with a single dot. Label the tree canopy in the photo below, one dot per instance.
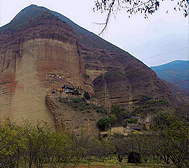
(27, 145)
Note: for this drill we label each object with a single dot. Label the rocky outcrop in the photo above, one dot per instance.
(74, 114)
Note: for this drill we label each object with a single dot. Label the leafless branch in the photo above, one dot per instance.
(134, 6)
(108, 17)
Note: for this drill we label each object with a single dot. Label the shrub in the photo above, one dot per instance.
(134, 157)
(113, 119)
(103, 123)
(132, 121)
(115, 109)
(100, 109)
(86, 95)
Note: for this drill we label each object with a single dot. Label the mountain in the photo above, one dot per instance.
(176, 72)
(43, 53)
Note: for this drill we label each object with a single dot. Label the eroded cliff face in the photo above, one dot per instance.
(42, 57)
(74, 114)
(39, 52)
(119, 78)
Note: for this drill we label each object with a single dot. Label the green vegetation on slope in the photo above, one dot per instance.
(152, 106)
(110, 76)
(81, 104)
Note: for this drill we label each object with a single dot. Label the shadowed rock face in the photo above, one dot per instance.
(128, 83)
(37, 46)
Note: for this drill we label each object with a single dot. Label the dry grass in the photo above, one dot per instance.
(116, 165)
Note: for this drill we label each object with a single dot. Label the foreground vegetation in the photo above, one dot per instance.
(167, 145)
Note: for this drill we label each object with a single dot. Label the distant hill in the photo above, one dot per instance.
(176, 72)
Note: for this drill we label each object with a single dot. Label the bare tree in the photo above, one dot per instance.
(145, 7)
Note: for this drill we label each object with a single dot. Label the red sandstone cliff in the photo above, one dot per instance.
(45, 45)
(40, 52)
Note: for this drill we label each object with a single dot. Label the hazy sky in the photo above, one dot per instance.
(161, 38)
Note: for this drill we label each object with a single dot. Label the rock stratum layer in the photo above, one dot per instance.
(45, 45)
(41, 50)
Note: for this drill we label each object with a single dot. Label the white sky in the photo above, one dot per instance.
(161, 38)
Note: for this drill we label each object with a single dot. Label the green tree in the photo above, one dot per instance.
(44, 145)
(80, 147)
(59, 149)
(173, 141)
(113, 119)
(12, 144)
(103, 124)
(121, 145)
(143, 144)
(182, 111)
(115, 109)
(101, 148)
(38, 140)
(132, 121)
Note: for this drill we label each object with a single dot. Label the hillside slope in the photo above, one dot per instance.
(176, 72)
(103, 58)
(88, 38)
(41, 51)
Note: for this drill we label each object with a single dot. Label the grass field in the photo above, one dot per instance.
(117, 165)
(126, 166)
